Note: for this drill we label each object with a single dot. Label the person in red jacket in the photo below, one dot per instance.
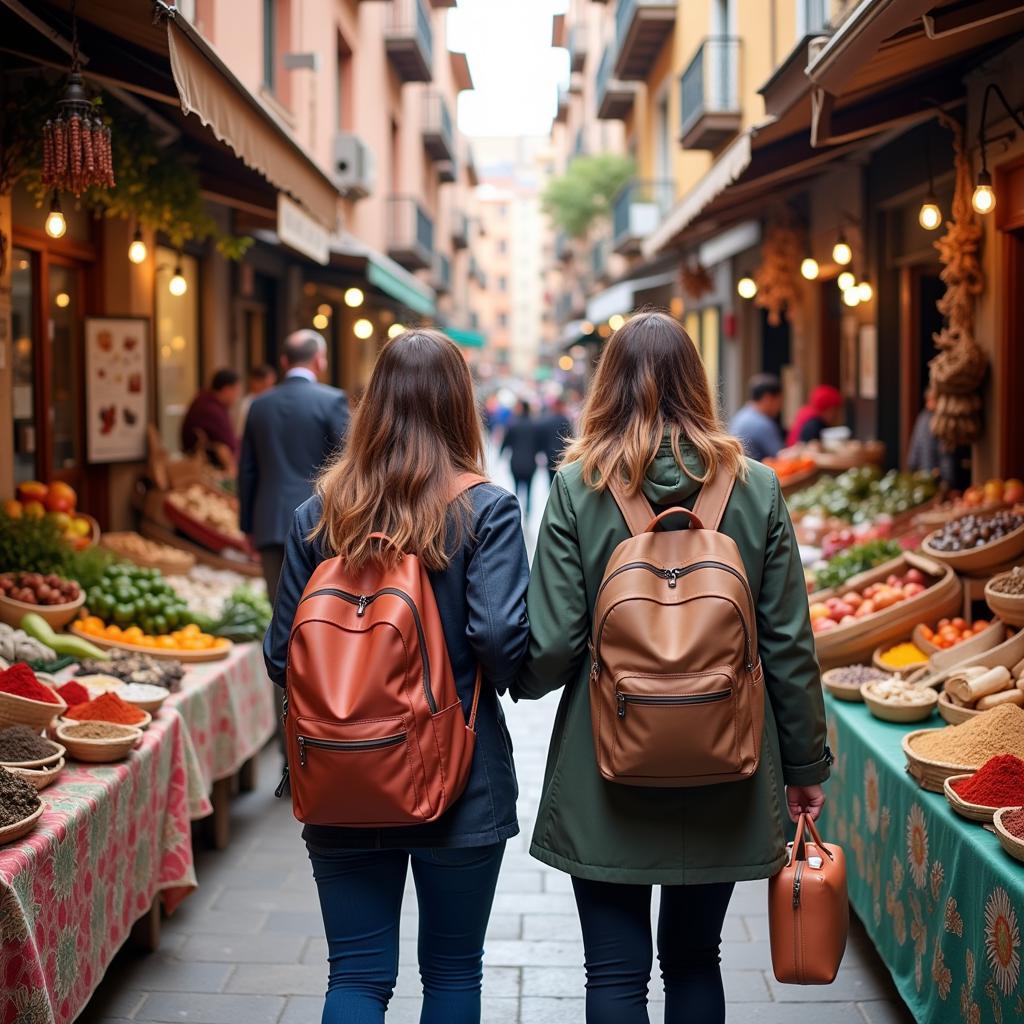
(823, 409)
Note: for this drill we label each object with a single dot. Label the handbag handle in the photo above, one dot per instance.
(805, 823)
(695, 523)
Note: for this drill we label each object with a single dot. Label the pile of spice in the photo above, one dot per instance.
(999, 731)
(142, 693)
(999, 782)
(18, 799)
(20, 681)
(854, 675)
(96, 731)
(902, 655)
(108, 707)
(19, 743)
(898, 691)
(1014, 822)
(73, 693)
(1012, 583)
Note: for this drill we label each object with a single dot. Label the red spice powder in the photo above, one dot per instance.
(108, 707)
(999, 782)
(73, 693)
(21, 681)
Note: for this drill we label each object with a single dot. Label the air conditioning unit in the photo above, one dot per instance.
(354, 169)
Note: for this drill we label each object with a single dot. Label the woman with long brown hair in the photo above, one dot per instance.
(650, 428)
(416, 430)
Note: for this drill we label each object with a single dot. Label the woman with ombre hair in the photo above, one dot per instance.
(650, 425)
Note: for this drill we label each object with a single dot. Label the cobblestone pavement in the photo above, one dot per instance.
(247, 946)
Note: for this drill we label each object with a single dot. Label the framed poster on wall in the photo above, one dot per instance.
(116, 387)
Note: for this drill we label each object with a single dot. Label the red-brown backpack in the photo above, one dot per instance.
(375, 730)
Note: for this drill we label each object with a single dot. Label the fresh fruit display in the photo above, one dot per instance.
(974, 531)
(130, 595)
(994, 491)
(900, 656)
(35, 588)
(56, 501)
(37, 545)
(17, 645)
(210, 508)
(188, 638)
(854, 560)
(788, 467)
(62, 643)
(130, 667)
(863, 494)
(840, 611)
(950, 632)
(839, 540)
(207, 590)
(246, 616)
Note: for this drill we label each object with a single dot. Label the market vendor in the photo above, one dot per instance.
(208, 420)
(757, 423)
(925, 454)
(823, 409)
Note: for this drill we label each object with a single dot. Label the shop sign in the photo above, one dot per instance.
(301, 232)
(117, 387)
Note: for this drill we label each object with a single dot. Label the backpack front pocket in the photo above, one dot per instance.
(675, 727)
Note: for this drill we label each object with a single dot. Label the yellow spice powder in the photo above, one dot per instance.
(999, 731)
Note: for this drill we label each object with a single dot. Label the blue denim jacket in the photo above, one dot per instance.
(481, 598)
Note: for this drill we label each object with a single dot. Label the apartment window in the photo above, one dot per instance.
(811, 16)
(344, 87)
(270, 44)
(503, 283)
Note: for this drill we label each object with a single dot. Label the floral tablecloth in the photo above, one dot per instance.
(111, 839)
(228, 710)
(940, 899)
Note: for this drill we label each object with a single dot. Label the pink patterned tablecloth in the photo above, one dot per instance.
(112, 838)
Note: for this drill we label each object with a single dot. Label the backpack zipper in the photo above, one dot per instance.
(674, 575)
(678, 699)
(362, 601)
(375, 744)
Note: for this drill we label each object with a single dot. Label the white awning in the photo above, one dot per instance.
(621, 298)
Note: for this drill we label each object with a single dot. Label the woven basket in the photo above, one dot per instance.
(1009, 607)
(981, 561)
(144, 724)
(1010, 843)
(41, 762)
(953, 713)
(972, 812)
(39, 777)
(930, 775)
(171, 561)
(21, 828)
(942, 666)
(57, 615)
(38, 714)
(100, 751)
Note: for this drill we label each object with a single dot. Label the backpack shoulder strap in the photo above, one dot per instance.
(635, 508)
(712, 499)
(463, 482)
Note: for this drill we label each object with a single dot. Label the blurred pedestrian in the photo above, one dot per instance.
(757, 423)
(207, 424)
(823, 409)
(413, 434)
(925, 453)
(555, 433)
(522, 442)
(262, 377)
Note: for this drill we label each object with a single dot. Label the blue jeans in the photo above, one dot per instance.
(361, 901)
(616, 923)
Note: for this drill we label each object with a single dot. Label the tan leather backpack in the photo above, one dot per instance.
(676, 688)
(374, 727)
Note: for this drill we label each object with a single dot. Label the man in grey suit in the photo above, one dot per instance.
(290, 432)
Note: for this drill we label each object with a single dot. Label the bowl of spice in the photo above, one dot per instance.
(39, 778)
(904, 657)
(933, 755)
(98, 742)
(20, 807)
(73, 692)
(23, 747)
(845, 683)
(144, 696)
(1004, 594)
(999, 782)
(109, 707)
(1009, 826)
(897, 700)
(24, 700)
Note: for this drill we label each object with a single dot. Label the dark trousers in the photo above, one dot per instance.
(523, 491)
(361, 901)
(616, 922)
(272, 557)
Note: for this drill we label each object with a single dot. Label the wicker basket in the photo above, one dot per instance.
(41, 762)
(100, 751)
(972, 812)
(171, 562)
(953, 713)
(21, 828)
(1007, 654)
(887, 711)
(981, 561)
(40, 778)
(38, 714)
(1010, 843)
(1009, 607)
(930, 775)
(57, 615)
(142, 726)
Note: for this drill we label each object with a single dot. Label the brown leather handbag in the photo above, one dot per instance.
(676, 688)
(808, 910)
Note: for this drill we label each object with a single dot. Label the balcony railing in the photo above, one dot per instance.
(639, 209)
(710, 101)
(614, 97)
(447, 171)
(438, 130)
(441, 278)
(460, 229)
(410, 233)
(641, 29)
(409, 40)
(577, 48)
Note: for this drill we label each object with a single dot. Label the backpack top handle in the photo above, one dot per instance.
(695, 522)
(707, 511)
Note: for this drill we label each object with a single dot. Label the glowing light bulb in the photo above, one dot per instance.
(320, 321)
(841, 252)
(354, 297)
(395, 330)
(865, 292)
(929, 216)
(362, 329)
(177, 285)
(62, 300)
(746, 286)
(852, 296)
(565, 363)
(846, 280)
(809, 268)
(984, 198)
(586, 327)
(615, 321)
(324, 309)
(137, 249)
(56, 225)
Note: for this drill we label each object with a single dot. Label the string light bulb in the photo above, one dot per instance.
(616, 320)
(865, 292)
(586, 327)
(809, 268)
(354, 297)
(984, 198)
(852, 296)
(177, 285)
(56, 225)
(395, 330)
(321, 321)
(929, 216)
(746, 286)
(363, 329)
(846, 280)
(841, 251)
(566, 363)
(137, 249)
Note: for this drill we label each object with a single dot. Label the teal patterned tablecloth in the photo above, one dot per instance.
(941, 900)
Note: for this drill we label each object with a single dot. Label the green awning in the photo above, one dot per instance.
(391, 284)
(467, 339)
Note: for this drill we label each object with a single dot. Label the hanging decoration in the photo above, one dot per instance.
(76, 142)
(778, 280)
(958, 371)
(696, 281)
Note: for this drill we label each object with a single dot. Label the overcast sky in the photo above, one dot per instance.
(515, 70)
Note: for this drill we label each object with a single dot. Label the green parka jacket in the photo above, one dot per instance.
(609, 832)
